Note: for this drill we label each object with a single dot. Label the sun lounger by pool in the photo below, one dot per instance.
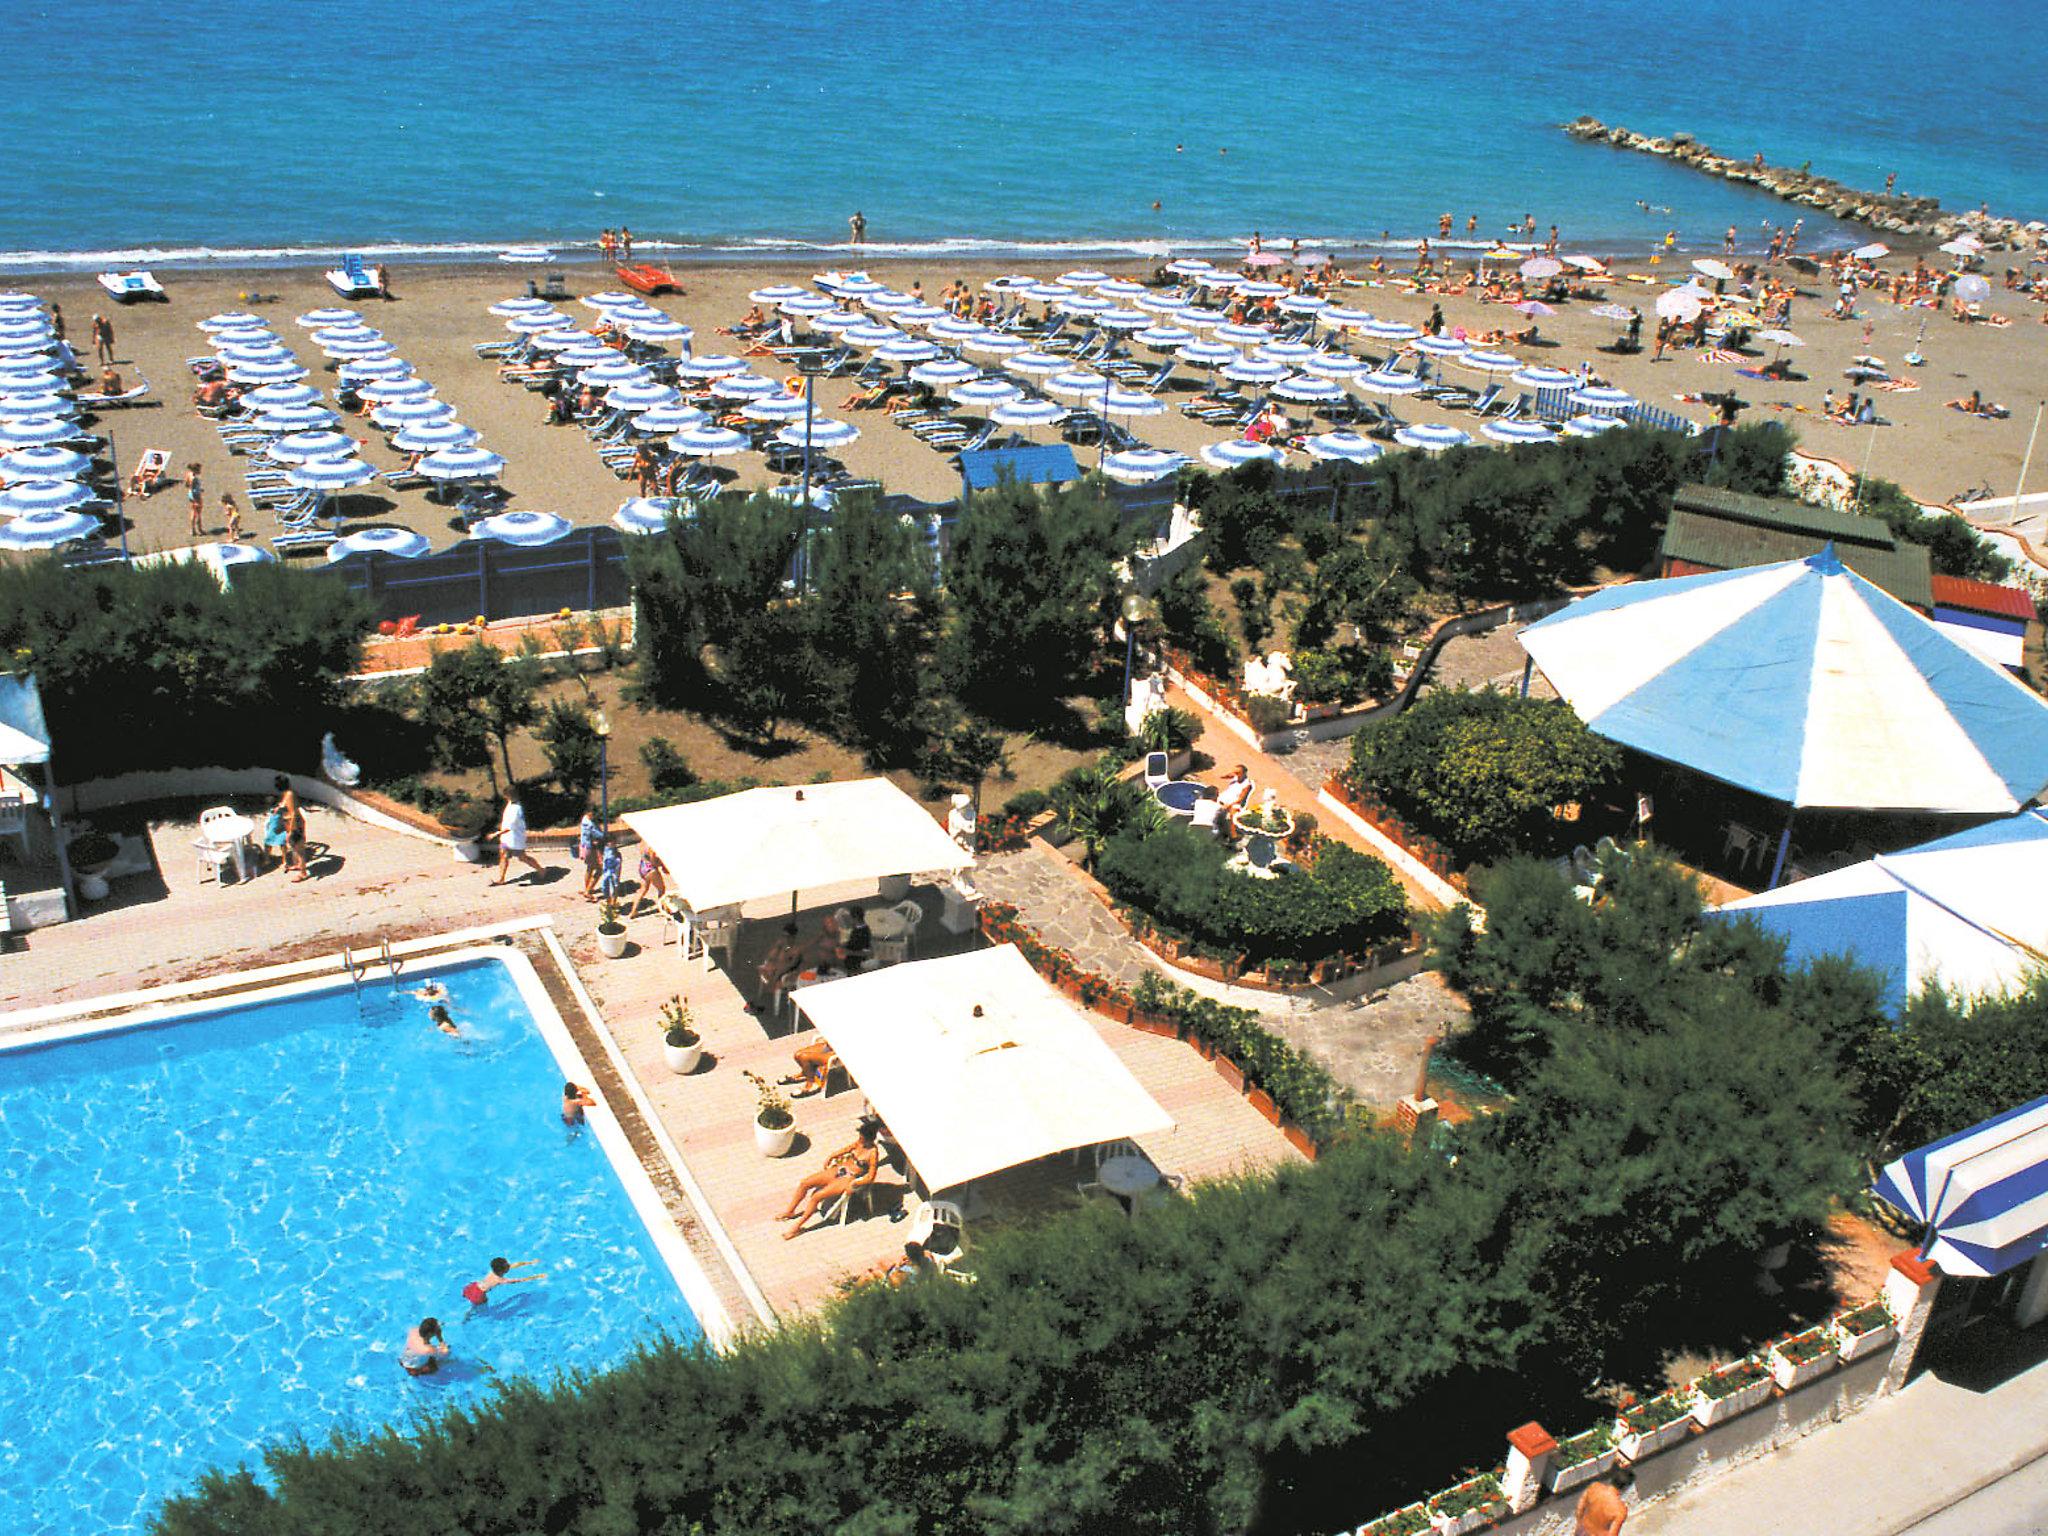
(130, 287)
(352, 280)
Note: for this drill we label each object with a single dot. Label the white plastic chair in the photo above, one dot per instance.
(1155, 770)
(938, 1220)
(14, 821)
(214, 858)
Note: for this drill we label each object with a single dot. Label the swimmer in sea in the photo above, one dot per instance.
(438, 1015)
(478, 1291)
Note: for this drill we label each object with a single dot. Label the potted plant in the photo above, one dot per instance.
(1411, 1521)
(90, 854)
(681, 1046)
(774, 1125)
(1468, 1506)
(1868, 1327)
(1645, 1428)
(611, 931)
(1799, 1359)
(1720, 1395)
(1581, 1458)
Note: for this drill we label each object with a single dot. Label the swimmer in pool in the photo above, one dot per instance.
(432, 992)
(478, 1291)
(575, 1099)
(438, 1014)
(424, 1348)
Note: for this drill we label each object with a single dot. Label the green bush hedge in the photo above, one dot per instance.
(1299, 1084)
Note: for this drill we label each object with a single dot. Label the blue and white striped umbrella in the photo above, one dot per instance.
(1047, 293)
(1244, 335)
(41, 403)
(620, 316)
(1602, 399)
(1208, 354)
(47, 530)
(563, 339)
(919, 314)
(1310, 389)
(374, 368)
(268, 373)
(1027, 413)
(1379, 382)
(1078, 381)
(400, 413)
(1195, 317)
(1443, 346)
(1291, 353)
(41, 353)
(30, 376)
(35, 431)
(274, 397)
(776, 293)
(1164, 338)
(383, 391)
(505, 309)
(709, 442)
(303, 447)
(1036, 364)
(819, 432)
(776, 407)
(1490, 362)
(887, 301)
(1802, 682)
(34, 328)
(1250, 370)
(1982, 1193)
(1216, 280)
(847, 282)
(992, 344)
(614, 372)
(539, 323)
(25, 496)
(1229, 455)
(641, 397)
(463, 464)
(1009, 283)
(589, 354)
(1305, 303)
(645, 514)
(821, 497)
(1520, 431)
(1334, 365)
(870, 336)
(944, 372)
(317, 319)
(807, 304)
(664, 329)
(229, 320)
(1167, 303)
(1253, 288)
(906, 350)
(238, 354)
(527, 528)
(1539, 377)
(1129, 402)
(1123, 320)
(610, 299)
(433, 436)
(1083, 277)
(1388, 330)
(835, 320)
(1190, 266)
(1347, 446)
(401, 542)
(1432, 437)
(664, 419)
(984, 392)
(334, 335)
(745, 386)
(1592, 426)
(240, 336)
(286, 419)
(1120, 288)
(1143, 466)
(43, 464)
(952, 328)
(218, 555)
(330, 474)
(711, 366)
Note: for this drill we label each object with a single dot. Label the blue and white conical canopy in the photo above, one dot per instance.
(1803, 682)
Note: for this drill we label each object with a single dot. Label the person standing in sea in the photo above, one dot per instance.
(857, 226)
(625, 243)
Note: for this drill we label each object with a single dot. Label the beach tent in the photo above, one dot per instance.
(1969, 912)
(782, 840)
(966, 1096)
(1046, 464)
(1981, 1193)
(1802, 682)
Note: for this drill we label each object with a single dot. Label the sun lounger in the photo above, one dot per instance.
(150, 470)
(115, 402)
(303, 540)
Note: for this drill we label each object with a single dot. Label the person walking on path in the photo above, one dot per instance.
(512, 839)
(590, 849)
(1601, 1510)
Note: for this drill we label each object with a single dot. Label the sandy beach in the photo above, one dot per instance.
(438, 312)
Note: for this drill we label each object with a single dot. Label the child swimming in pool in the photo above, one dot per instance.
(478, 1291)
(439, 1016)
(432, 992)
(575, 1099)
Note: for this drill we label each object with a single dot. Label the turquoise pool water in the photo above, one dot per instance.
(215, 1231)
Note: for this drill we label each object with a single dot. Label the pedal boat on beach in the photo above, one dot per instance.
(648, 278)
(128, 287)
(352, 280)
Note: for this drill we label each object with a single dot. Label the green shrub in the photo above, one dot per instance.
(1299, 1084)
(1170, 730)
(568, 736)
(1027, 803)
(1267, 713)
(666, 767)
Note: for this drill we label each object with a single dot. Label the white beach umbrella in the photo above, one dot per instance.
(43, 464)
(664, 419)
(712, 366)
(1874, 251)
(952, 328)
(611, 299)
(945, 371)
(1490, 362)
(267, 373)
(1972, 289)
(887, 301)
(661, 330)
(47, 530)
(37, 347)
(1253, 289)
(229, 320)
(563, 339)
(641, 397)
(777, 293)
(1388, 330)
(1164, 338)
(35, 431)
(1250, 370)
(919, 314)
(1027, 413)
(1207, 354)
(238, 354)
(870, 336)
(331, 335)
(1538, 377)
(834, 321)
(778, 407)
(1243, 335)
(462, 464)
(1387, 382)
(1164, 303)
(745, 386)
(30, 376)
(25, 496)
(218, 555)
(590, 354)
(402, 413)
(384, 391)
(1779, 338)
(433, 436)
(538, 322)
(1309, 389)
(1542, 266)
(1602, 399)
(1190, 266)
(401, 542)
(1047, 293)
(1080, 382)
(1431, 437)
(504, 309)
(1231, 454)
(527, 528)
(1305, 303)
(1143, 466)
(1442, 346)
(1334, 365)
(1035, 364)
(806, 304)
(1009, 282)
(1216, 281)
(1591, 426)
(1520, 431)
(1291, 353)
(278, 396)
(330, 474)
(1120, 288)
(847, 282)
(1129, 402)
(992, 344)
(38, 403)
(709, 442)
(374, 368)
(1197, 318)
(1083, 277)
(645, 514)
(984, 392)
(1718, 270)
(234, 336)
(1682, 303)
(319, 319)
(819, 432)
(907, 350)
(614, 372)
(1123, 320)
(303, 447)
(1347, 446)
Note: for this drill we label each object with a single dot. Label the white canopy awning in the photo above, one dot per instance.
(771, 842)
(967, 1096)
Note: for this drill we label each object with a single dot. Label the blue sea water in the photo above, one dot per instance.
(255, 129)
(216, 1231)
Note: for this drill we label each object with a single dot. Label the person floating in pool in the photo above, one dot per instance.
(575, 1099)
(441, 1020)
(424, 1348)
(478, 1291)
(432, 992)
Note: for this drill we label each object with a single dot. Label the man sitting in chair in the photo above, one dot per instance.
(846, 1170)
(1237, 794)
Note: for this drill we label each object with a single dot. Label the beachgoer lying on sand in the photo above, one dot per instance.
(1976, 405)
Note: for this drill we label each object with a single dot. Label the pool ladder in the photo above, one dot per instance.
(358, 969)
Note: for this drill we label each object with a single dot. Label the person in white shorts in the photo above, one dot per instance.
(512, 839)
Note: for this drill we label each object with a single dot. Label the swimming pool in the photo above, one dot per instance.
(215, 1229)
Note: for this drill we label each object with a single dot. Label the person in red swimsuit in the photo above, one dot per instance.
(478, 1291)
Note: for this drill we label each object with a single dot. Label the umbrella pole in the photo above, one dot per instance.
(1784, 847)
(2018, 489)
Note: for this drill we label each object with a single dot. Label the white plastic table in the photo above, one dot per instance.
(235, 832)
(886, 925)
(1127, 1177)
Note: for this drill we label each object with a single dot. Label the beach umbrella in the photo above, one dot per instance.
(1388, 382)
(1720, 271)
(1257, 290)
(1120, 288)
(356, 371)
(219, 555)
(807, 304)
(1346, 318)
(992, 344)
(402, 542)
(833, 321)
(1229, 455)
(1164, 338)
(527, 528)
(777, 293)
(537, 323)
(945, 371)
(1962, 245)
(1347, 446)
(645, 514)
(462, 464)
(43, 464)
(286, 419)
(562, 339)
(625, 314)
(1304, 303)
(1972, 289)
(1047, 293)
(1334, 365)
(1123, 320)
(1009, 282)
(1083, 304)
(1310, 389)
(614, 372)
(871, 336)
(1163, 303)
(888, 301)
(30, 373)
(589, 354)
(907, 349)
(1143, 466)
(272, 397)
(240, 354)
(25, 496)
(1037, 364)
(47, 530)
(330, 474)
(1388, 330)
(712, 366)
(709, 442)
(1292, 353)
(400, 413)
(953, 328)
(1541, 266)
(229, 321)
(524, 304)
(1490, 362)
(1682, 303)
(1190, 266)
(1265, 259)
(319, 319)
(1874, 251)
(1244, 335)
(1533, 308)
(1129, 402)
(663, 329)
(641, 397)
(984, 392)
(919, 314)
(330, 335)
(1431, 437)
(267, 373)
(1311, 259)
(1779, 338)
(1442, 346)
(35, 326)
(1538, 377)
(1083, 277)
(29, 347)
(432, 436)
(1200, 319)
(1591, 426)
(40, 403)
(1520, 431)
(848, 282)
(240, 335)
(406, 388)
(35, 431)
(1978, 1192)
(745, 386)
(774, 408)
(819, 432)
(1080, 382)
(664, 419)
(302, 447)
(1602, 399)
(1250, 370)
(1027, 413)
(1611, 312)
(611, 299)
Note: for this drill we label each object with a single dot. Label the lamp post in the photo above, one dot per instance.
(1133, 611)
(810, 365)
(603, 727)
